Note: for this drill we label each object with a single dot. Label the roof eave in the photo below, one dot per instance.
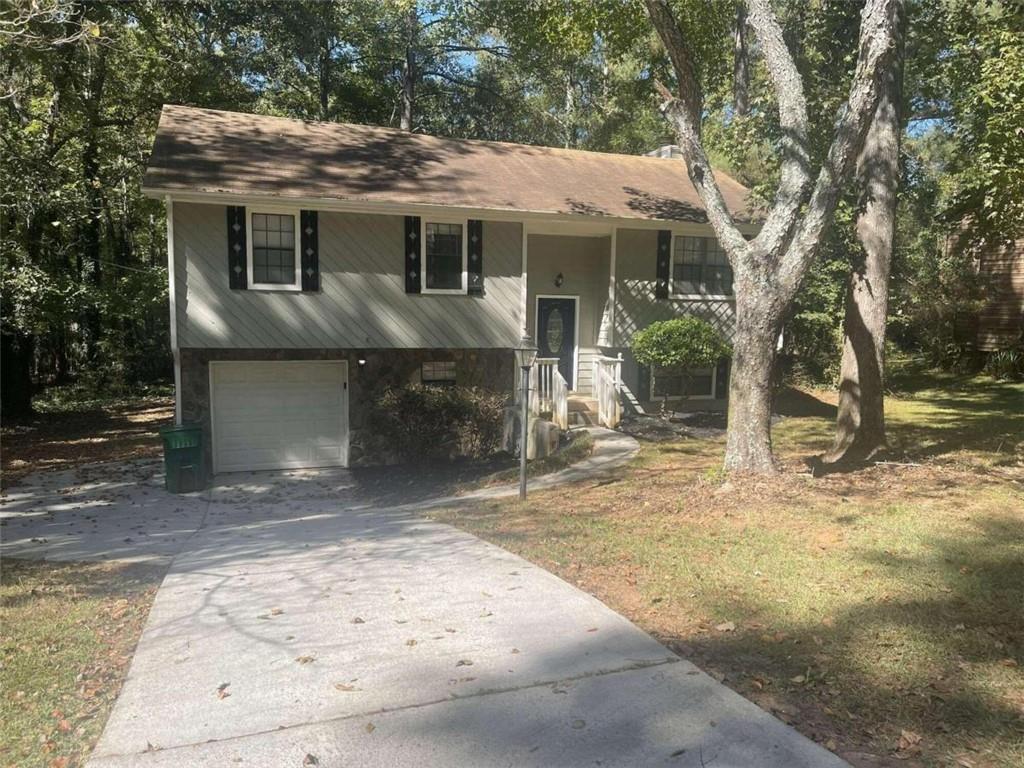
(348, 205)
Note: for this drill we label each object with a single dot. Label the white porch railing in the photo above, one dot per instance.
(549, 391)
(608, 390)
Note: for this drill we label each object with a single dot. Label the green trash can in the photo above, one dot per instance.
(184, 468)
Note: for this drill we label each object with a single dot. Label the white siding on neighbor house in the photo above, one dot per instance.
(362, 302)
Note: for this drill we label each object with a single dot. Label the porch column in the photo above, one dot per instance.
(523, 287)
(606, 337)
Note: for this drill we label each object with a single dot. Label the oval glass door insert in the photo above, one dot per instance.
(555, 330)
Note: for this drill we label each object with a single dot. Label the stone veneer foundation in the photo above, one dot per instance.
(491, 369)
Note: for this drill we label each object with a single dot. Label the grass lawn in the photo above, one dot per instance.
(72, 427)
(67, 633)
(880, 611)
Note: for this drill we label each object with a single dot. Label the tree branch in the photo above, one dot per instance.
(877, 33)
(795, 176)
(685, 114)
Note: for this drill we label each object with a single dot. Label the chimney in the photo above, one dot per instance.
(667, 150)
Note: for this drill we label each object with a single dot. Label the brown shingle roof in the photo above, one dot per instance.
(205, 150)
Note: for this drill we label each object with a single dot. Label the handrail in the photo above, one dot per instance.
(549, 391)
(607, 390)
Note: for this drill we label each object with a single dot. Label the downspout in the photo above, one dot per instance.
(175, 352)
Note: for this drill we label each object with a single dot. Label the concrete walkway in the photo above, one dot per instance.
(291, 633)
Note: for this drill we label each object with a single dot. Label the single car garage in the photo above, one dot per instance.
(279, 415)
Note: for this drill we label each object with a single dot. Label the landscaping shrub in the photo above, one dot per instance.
(1007, 364)
(420, 423)
(677, 347)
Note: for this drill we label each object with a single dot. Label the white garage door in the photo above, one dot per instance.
(272, 415)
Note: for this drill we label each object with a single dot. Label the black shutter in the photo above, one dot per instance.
(644, 380)
(411, 254)
(310, 244)
(664, 273)
(237, 277)
(722, 379)
(476, 257)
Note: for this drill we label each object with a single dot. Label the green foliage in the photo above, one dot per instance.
(419, 423)
(1006, 363)
(680, 344)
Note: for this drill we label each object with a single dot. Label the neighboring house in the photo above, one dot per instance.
(313, 263)
(1001, 319)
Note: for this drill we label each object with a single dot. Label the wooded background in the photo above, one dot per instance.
(82, 84)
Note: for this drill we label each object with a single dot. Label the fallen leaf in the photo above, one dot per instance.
(346, 687)
(358, 620)
(464, 663)
(411, 642)
(222, 691)
(370, 727)
(305, 659)
(310, 759)
(797, 679)
(726, 626)
(577, 724)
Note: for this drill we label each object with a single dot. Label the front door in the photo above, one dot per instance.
(556, 334)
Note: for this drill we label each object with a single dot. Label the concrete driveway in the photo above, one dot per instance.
(291, 632)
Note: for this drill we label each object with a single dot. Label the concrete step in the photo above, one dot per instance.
(582, 411)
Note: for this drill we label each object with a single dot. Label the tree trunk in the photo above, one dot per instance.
(16, 374)
(740, 63)
(409, 70)
(749, 443)
(860, 422)
(92, 239)
(769, 269)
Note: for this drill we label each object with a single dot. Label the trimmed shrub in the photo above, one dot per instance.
(423, 423)
(677, 347)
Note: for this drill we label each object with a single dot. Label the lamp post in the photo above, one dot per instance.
(526, 354)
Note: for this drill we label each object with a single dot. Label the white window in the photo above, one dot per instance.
(700, 268)
(438, 373)
(444, 256)
(699, 384)
(272, 246)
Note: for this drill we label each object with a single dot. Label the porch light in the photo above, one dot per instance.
(526, 354)
(559, 279)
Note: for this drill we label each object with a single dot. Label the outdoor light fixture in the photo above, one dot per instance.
(559, 279)
(526, 354)
(361, 361)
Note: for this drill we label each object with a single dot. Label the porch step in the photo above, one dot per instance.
(582, 411)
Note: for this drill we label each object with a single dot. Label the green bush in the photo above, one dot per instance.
(422, 423)
(1007, 364)
(680, 344)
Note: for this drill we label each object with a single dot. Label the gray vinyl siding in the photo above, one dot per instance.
(362, 302)
(635, 304)
(583, 263)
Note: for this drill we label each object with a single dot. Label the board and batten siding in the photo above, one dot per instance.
(362, 302)
(1001, 319)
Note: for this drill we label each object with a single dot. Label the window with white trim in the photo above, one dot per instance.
(444, 257)
(273, 246)
(700, 267)
(438, 373)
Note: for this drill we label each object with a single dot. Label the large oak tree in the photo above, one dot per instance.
(769, 269)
